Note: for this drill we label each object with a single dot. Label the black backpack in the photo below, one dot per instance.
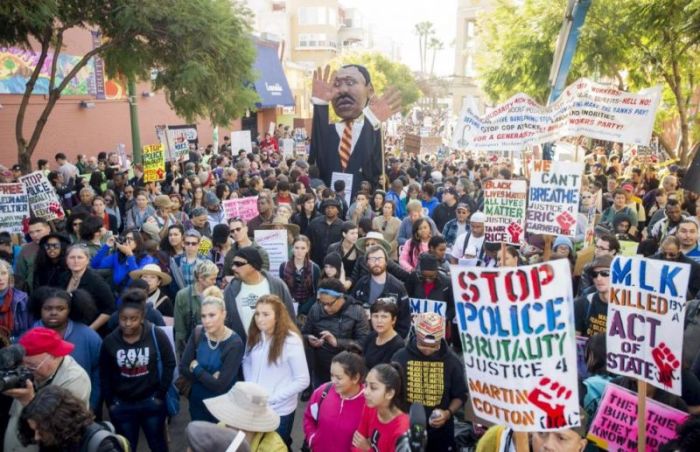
(97, 432)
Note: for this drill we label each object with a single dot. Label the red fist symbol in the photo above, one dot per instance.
(550, 397)
(666, 362)
(55, 208)
(515, 230)
(565, 221)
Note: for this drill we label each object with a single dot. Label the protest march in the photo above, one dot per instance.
(323, 257)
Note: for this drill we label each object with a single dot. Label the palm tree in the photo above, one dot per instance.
(436, 45)
(424, 30)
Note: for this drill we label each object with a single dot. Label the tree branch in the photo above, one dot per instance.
(54, 61)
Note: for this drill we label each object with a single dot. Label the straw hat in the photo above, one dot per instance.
(277, 224)
(162, 202)
(152, 269)
(374, 235)
(245, 407)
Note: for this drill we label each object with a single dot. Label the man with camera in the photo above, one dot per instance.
(42, 360)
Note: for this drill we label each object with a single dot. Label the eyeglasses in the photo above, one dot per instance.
(603, 273)
(52, 246)
(371, 259)
(191, 243)
(600, 248)
(327, 305)
(41, 363)
(239, 263)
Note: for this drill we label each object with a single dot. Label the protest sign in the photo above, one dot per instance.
(585, 108)
(628, 248)
(275, 243)
(153, 162)
(519, 344)
(347, 178)
(287, 147)
(646, 311)
(553, 197)
(244, 208)
(240, 139)
(13, 207)
(178, 144)
(581, 344)
(504, 206)
(422, 305)
(615, 424)
(42, 197)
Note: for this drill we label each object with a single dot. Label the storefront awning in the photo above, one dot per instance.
(272, 86)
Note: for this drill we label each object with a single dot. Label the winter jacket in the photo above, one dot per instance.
(392, 288)
(120, 269)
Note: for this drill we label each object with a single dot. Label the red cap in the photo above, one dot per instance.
(44, 340)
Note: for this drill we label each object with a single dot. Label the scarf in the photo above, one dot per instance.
(153, 299)
(289, 276)
(6, 319)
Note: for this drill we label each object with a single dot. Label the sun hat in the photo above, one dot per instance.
(162, 202)
(44, 340)
(151, 269)
(278, 224)
(374, 235)
(204, 436)
(245, 407)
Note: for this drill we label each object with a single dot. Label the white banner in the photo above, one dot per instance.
(585, 108)
(646, 314)
(519, 344)
(555, 189)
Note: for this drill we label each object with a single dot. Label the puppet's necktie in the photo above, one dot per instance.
(346, 145)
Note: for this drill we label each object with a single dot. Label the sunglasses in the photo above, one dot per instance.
(603, 273)
(52, 246)
(191, 243)
(239, 263)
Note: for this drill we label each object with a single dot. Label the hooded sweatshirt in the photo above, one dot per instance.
(336, 420)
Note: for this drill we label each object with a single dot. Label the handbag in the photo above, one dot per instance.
(183, 383)
(172, 397)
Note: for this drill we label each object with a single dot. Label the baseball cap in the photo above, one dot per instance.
(44, 340)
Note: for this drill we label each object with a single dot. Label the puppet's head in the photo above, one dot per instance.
(352, 91)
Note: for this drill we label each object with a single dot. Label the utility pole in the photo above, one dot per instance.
(134, 116)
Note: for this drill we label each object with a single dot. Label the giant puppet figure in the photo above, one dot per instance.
(353, 145)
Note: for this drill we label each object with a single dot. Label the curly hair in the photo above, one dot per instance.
(60, 416)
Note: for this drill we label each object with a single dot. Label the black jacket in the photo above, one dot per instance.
(322, 235)
(442, 291)
(361, 270)
(442, 214)
(392, 288)
(366, 158)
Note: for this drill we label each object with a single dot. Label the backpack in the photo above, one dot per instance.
(326, 389)
(691, 332)
(595, 387)
(97, 432)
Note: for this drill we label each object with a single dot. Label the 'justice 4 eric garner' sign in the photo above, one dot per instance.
(517, 332)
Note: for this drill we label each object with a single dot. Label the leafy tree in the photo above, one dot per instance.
(201, 50)
(384, 73)
(631, 43)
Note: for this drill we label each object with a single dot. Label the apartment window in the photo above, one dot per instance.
(469, 68)
(311, 40)
(317, 15)
(470, 37)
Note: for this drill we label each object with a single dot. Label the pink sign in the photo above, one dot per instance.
(614, 426)
(245, 208)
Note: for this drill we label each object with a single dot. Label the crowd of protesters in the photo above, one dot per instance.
(86, 297)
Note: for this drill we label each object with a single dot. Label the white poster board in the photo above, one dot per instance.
(275, 242)
(240, 139)
(347, 177)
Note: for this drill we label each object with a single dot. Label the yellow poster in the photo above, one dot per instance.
(153, 163)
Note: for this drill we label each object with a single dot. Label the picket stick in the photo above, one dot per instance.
(547, 247)
(641, 415)
(503, 254)
(522, 443)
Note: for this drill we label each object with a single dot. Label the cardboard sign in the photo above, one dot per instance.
(244, 208)
(646, 311)
(519, 344)
(178, 143)
(504, 206)
(347, 177)
(276, 243)
(585, 108)
(423, 305)
(555, 189)
(13, 207)
(615, 425)
(287, 147)
(42, 197)
(240, 139)
(153, 162)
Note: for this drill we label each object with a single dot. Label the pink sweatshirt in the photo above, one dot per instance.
(338, 419)
(408, 262)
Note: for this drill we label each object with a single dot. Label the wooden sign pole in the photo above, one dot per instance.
(503, 254)
(641, 415)
(548, 239)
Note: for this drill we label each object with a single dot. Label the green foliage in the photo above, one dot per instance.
(385, 73)
(633, 43)
(201, 49)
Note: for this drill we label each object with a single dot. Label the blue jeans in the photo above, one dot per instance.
(149, 414)
(285, 428)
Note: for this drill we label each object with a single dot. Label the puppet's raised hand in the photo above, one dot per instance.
(322, 87)
(387, 105)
